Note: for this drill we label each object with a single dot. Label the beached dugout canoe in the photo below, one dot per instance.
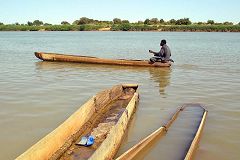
(133, 152)
(94, 60)
(105, 116)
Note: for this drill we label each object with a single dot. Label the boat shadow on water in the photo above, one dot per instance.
(161, 76)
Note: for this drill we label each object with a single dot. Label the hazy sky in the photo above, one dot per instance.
(55, 11)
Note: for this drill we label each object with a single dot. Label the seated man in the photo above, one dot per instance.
(163, 55)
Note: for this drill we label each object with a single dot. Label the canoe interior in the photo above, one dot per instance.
(94, 60)
(102, 116)
(100, 127)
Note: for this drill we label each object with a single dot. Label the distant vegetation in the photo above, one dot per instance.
(153, 24)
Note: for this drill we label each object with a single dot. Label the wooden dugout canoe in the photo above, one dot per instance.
(105, 116)
(94, 60)
(133, 152)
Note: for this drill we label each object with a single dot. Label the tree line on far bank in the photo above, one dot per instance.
(154, 24)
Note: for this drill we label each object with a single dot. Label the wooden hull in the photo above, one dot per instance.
(86, 59)
(133, 152)
(195, 141)
(60, 140)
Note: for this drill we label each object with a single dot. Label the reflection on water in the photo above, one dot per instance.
(44, 65)
(162, 77)
(159, 75)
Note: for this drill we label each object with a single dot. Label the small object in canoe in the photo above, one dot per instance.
(90, 141)
(86, 141)
(83, 141)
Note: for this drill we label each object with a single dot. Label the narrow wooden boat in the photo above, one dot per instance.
(194, 144)
(87, 59)
(133, 152)
(105, 116)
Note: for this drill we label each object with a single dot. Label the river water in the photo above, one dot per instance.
(35, 96)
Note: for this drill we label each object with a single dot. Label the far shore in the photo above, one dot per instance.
(125, 27)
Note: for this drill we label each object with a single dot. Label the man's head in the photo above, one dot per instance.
(163, 42)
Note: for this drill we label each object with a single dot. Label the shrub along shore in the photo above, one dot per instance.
(86, 24)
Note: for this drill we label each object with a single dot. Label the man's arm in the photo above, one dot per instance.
(150, 51)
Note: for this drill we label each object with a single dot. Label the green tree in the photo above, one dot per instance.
(239, 23)
(227, 23)
(117, 21)
(210, 22)
(140, 22)
(29, 23)
(76, 22)
(17, 24)
(125, 27)
(105, 22)
(125, 21)
(85, 20)
(65, 23)
(47, 24)
(161, 21)
(147, 21)
(172, 21)
(154, 21)
(1, 23)
(183, 21)
(37, 23)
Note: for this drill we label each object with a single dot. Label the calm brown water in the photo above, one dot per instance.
(35, 96)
